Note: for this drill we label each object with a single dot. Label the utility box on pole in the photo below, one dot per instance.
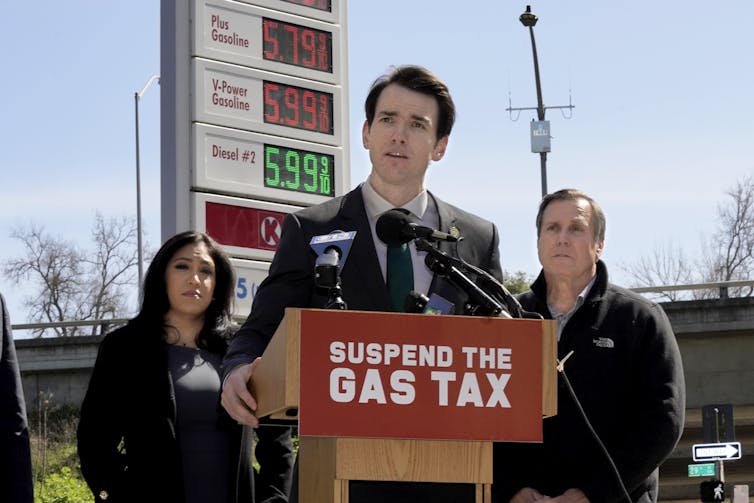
(540, 136)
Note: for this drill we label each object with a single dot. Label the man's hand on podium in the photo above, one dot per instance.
(572, 496)
(529, 495)
(236, 397)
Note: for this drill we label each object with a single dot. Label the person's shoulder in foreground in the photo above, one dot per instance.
(15, 452)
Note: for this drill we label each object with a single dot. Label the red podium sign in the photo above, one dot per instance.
(420, 377)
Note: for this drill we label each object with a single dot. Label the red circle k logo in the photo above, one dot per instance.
(270, 230)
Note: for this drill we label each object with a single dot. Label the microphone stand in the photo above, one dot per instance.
(512, 304)
(488, 281)
(439, 262)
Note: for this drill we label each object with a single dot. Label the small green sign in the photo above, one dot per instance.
(703, 470)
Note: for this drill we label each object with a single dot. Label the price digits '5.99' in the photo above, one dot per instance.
(297, 45)
(297, 107)
(298, 170)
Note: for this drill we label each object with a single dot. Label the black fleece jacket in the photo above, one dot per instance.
(627, 373)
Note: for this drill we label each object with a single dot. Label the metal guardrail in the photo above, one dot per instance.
(721, 286)
(105, 325)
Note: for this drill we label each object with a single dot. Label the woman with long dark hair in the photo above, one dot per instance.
(151, 426)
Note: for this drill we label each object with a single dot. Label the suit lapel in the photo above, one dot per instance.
(362, 282)
(447, 223)
(440, 285)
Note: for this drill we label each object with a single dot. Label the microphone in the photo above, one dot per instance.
(417, 302)
(332, 250)
(337, 242)
(395, 227)
(510, 302)
(326, 273)
(480, 303)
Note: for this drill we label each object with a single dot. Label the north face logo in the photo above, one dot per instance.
(603, 342)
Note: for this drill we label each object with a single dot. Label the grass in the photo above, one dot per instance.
(55, 464)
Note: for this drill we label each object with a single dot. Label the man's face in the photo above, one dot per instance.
(402, 138)
(566, 246)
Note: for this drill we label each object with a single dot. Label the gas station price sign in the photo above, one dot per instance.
(298, 170)
(331, 11)
(298, 107)
(255, 100)
(325, 5)
(297, 45)
(255, 115)
(234, 162)
(268, 39)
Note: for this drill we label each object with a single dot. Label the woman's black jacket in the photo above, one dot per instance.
(127, 430)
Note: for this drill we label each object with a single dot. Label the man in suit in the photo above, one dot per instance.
(409, 117)
(15, 454)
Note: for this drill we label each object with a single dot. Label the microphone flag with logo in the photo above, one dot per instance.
(337, 241)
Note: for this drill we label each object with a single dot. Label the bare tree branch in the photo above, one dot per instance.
(71, 284)
(667, 266)
(730, 254)
(727, 256)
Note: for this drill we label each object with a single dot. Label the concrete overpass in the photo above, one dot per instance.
(716, 338)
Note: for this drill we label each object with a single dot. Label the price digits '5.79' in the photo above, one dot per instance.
(297, 45)
(298, 170)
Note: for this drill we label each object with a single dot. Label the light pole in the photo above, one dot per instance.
(540, 130)
(529, 20)
(140, 250)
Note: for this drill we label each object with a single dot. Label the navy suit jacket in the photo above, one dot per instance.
(290, 282)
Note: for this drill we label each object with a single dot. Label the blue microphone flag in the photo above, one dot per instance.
(339, 240)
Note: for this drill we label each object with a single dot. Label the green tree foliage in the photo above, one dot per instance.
(517, 282)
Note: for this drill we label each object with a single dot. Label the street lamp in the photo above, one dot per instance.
(540, 130)
(140, 251)
(529, 20)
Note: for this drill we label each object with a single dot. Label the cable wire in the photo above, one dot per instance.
(561, 370)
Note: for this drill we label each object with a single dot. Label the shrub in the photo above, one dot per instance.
(63, 486)
(55, 463)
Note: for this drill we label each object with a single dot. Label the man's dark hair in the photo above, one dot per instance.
(417, 79)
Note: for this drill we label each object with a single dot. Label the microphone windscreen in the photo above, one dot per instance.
(415, 302)
(390, 227)
(329, 258)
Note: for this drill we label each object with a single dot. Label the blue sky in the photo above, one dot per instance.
(662, 124)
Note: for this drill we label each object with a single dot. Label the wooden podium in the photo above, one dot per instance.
(405, 397)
